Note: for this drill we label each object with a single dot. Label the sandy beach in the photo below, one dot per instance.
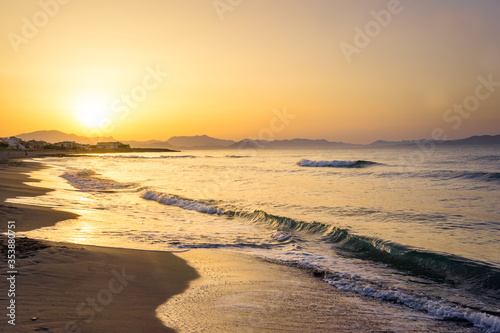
(64, 287)
(71, 288)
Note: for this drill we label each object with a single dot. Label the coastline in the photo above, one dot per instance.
(13, 175)
(207, 290)
(64, 287)
(55, 279)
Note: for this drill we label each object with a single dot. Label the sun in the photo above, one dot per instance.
(92, 110)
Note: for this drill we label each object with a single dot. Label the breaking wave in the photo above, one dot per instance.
(483, 176)
(88, 180)
(335, 164)
(150, 157)
(173, 200)
(450, 269)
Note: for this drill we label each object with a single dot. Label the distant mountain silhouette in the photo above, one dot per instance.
(289, 144)
(473, 140)
(54, 136)
(183, 142)
(383, 143)
(207, 142)
(476, 140)
(198, 141)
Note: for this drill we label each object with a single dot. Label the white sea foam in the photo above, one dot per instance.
(337, 164)
(171, 200)
(148, 157)
(280, 236)
(435, 307)
(88, 180)
(371, 286)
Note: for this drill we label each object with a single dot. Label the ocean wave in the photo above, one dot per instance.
(223, 245)
(445, 175)
(336, 164)
(492, 158)
(88, 180)
(458, 174)
(442, 267)
(236, 156)
(434, 306)
(172, 200)
(148, 157)
(281, 236)
(457, 271)
(452, 269)
(485, 176)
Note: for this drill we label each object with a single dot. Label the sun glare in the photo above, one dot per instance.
(92, 110)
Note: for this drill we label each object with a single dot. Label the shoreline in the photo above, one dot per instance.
(62, 287)
(200, 290)
(13, 175)
(8, 156)
(73, 288)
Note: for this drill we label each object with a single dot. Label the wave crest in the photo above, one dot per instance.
(459, 271)
(172, 200)
(149, 157)
(88, 180)
(335, 164)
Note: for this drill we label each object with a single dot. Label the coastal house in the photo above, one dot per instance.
(15, 143)
(4, 142)
(65, 144)
(108, 145)
(82, 146)
(34, 144)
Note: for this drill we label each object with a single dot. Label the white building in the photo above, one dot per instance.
(65, 144)
(82, 146)
(34, 144)
(108, 145)
(15, 143)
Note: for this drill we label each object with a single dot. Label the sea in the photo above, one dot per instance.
(415, 226)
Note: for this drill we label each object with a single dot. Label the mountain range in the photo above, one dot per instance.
(207, 142)
(57, 136)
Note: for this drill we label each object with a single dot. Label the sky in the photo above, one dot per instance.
(350, 71)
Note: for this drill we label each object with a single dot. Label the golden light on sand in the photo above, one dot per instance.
(92, 109)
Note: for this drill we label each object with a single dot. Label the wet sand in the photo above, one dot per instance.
(71, 288)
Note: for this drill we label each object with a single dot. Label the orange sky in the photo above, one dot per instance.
(91, 67)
